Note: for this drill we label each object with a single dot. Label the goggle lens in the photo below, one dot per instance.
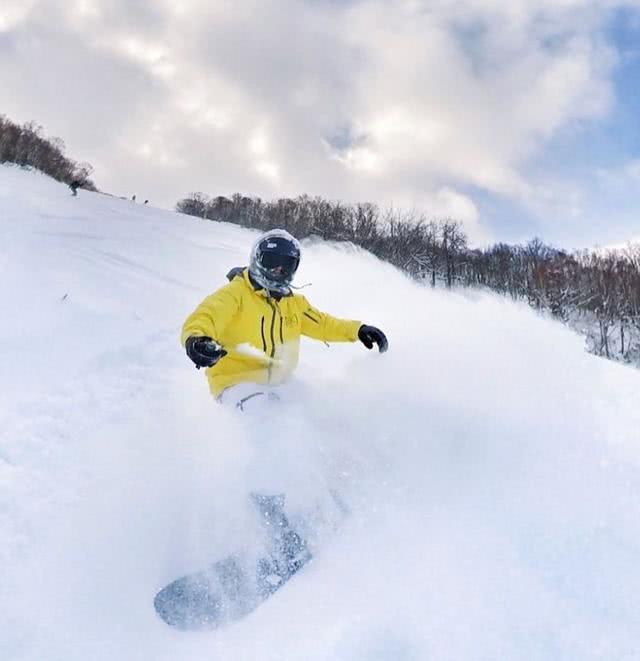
(271, 260)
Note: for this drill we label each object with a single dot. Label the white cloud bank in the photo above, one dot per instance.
(406, 103)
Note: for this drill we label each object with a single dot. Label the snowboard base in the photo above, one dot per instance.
(232, 588)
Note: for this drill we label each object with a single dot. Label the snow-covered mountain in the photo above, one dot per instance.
(491, 466)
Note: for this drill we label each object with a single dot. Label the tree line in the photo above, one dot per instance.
(597, 293)
(26, 145)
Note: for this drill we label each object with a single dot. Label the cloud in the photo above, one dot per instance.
(601, 207)
(365, 100)
(12, 14)
(632, 170)
(620, 176)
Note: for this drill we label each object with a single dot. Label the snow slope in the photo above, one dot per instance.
(491, 466)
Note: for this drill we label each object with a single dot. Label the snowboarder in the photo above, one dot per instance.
(247, 336)
(247, 333)
(74, 185)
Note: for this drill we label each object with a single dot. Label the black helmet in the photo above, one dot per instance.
(274, 260)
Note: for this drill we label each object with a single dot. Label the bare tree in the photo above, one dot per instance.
(27, 146)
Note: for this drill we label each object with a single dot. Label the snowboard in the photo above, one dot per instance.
(231, 588)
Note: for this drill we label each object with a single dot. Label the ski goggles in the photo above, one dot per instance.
(272, 261)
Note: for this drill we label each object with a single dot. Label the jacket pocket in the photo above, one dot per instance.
(315, 321)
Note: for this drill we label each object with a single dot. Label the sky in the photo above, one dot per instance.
(519, 118)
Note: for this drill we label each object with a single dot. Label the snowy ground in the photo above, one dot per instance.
(492, 467)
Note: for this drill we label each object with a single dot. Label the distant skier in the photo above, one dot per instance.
(247, 333)
(74, 185)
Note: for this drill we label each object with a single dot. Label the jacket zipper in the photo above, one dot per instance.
(273, 322)
(273, 342)
(315, 321)
(264, 341)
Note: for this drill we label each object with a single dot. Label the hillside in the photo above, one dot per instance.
(490, 465)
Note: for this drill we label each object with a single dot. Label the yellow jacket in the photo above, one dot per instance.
(260, 334)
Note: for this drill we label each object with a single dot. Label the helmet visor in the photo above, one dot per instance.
(279, 266)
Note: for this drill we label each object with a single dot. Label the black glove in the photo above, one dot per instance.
(204, 351)
(369, 335)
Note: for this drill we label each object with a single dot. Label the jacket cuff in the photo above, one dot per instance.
(355, 328)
